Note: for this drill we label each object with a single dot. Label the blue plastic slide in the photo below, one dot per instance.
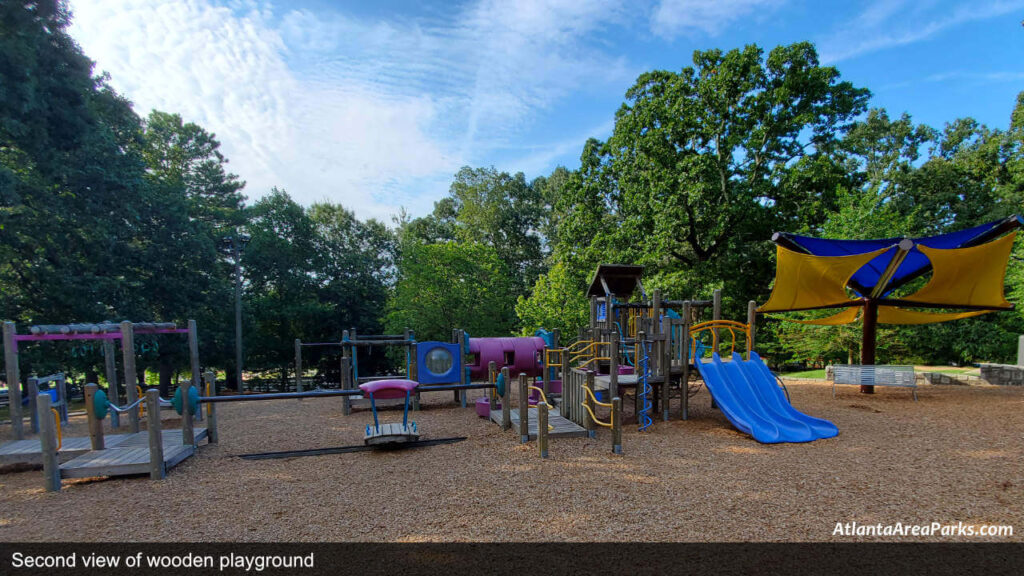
(746, 392)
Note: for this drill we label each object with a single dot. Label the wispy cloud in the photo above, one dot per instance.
(372, 113)
(671, 18)
(958, 76)
(891, 23)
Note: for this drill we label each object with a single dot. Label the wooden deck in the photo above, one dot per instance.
(130, 457)
(30, 453)
(563, 427)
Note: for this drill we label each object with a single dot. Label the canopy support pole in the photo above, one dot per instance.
(868, 339)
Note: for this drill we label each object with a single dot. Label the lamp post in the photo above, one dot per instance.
(237, 244)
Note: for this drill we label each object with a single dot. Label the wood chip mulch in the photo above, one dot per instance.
(953, 456)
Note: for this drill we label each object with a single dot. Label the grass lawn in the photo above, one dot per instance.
(819, 374)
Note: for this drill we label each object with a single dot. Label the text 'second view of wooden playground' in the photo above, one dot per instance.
(629, 377)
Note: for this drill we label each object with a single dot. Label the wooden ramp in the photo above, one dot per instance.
(563, 427)
(30, 452)
(130, 457)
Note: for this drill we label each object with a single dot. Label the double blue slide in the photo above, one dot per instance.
(748, 395)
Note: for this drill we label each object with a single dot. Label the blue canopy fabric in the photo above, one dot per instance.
(864, 280)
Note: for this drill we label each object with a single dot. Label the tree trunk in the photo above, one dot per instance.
(166, 373)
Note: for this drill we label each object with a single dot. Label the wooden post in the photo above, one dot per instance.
(542, 428)
(298, 365)
(589, 400)
(211, 409)
(546, 375)
(346, 384)
(157, 470)
(346, 373)
(617, 425)
(716, 311)
(565, 381)
(867, 343)
(506, 401)
(355, 357)
(613, 367)
(666, 370)
(752, 323)
(14, 382)
(455, 340)
(130, 375)
(593, 312)
(48, 441)
(414, 369)
(61, 385)
(188, 432)
(32, 389)
(460, 360)
(492, 374)
(524, 409)
(197, 378)
(95, 424)
(684, 383)
(113, 385)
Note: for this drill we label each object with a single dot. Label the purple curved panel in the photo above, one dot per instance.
(387, 389)
(517, 354)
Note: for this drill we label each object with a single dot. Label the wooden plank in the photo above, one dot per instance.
(563, 428)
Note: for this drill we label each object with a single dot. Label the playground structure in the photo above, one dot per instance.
(102, 455)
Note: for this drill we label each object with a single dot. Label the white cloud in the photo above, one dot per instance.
(373, 114)
(673, 17)
(887, 24)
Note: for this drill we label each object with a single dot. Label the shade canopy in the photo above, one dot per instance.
(968, 271)
(867, 278)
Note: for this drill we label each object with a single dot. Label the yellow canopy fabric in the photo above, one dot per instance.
(971, 276)
(845, 317)
(895, 315)
(805, 281)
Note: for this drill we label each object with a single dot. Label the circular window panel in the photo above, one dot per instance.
(439, 361)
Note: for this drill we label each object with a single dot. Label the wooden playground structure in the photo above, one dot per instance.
(118, 454)
(535, 386)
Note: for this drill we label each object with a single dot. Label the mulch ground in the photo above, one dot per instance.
(954, 456)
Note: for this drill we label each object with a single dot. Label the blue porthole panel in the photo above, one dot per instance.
(438, 363)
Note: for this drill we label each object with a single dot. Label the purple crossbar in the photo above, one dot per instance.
(97, 336)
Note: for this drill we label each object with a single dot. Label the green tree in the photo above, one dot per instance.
(708, 162)
(450, 285)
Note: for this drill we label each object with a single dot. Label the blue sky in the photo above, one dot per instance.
(376, 105)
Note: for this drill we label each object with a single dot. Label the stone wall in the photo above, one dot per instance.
(945, 379)
(1003, 374)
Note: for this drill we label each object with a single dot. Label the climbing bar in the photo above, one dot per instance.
(594, 419)
(553, 356)
(714, 326)
(590, 393)
(595, 359)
